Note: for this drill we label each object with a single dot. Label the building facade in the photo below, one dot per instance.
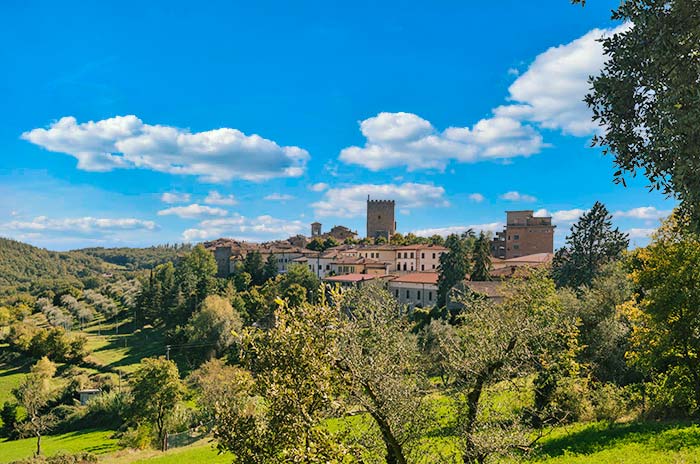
(524, 234)
(381, 220)
(415, 290)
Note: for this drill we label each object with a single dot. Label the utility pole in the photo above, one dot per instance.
(167, 352)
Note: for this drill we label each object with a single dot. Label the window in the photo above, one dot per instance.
(408, 294)
(430, 296)
(397, 293)
(433, 255)
(433, 266)
(422, 256)
(411, 254)
(422, 267)
(516, 237)
(418, 295)
(516, 247)
(404, 266)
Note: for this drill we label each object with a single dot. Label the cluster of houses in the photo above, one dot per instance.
(409, 272)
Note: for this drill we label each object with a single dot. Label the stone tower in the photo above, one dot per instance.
(380, 218)
(222, 256)
(315, 229)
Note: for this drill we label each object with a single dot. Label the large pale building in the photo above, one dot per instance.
(524, 234)
(381, 221)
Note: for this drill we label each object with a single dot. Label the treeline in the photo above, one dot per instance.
(139, 258)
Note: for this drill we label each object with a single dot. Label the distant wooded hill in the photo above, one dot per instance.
(138, 258)
(26, 268)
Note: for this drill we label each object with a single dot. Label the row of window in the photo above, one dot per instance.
(418, 294)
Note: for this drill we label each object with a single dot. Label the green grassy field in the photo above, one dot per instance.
(595, 443)
(199, 452)
(633, 443)
(94, 441)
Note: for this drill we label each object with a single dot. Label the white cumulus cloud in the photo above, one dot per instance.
(445, 231)
(562, 216)
(517, 196)
(192, 211)
(318, 187)
(551, 91)
(174, 197)
(259, 228)
(637, 233)
(278, 197)
(215, 198)
(351, 201)
(85, 224)
(407, 140)
(126, 142)
(643, 212)
(476, 197)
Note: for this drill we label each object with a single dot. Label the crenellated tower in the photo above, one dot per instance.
(380, 218)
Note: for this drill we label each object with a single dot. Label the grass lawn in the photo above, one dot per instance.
(93, 441)
(199, 452)
(633, 443)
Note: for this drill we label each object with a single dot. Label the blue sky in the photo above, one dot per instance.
(137, 123)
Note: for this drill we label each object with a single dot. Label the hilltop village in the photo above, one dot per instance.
(410, 272)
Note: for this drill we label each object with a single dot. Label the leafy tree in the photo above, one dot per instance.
(156, 390)
(253, 265)
(591, 244)
(330, 242)
(302, 276)
(497, 341)
(34, 394)
(437, 240)
(270, 268)
(604, 330)
(666, 311)
(10, 420)
(292, 366)
(482, 259)
(315, 245)
(453, 268)
(195, 276)
(221, 390)
(645, 97)
(213, 326)
(380, 368)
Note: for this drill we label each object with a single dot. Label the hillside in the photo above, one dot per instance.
(137, 258)
(23, 266)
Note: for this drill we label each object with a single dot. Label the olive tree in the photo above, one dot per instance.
(379, 363)
(492, 342)
(34, 394)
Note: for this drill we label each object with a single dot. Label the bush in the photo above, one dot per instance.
(140, 438)
(61, 458)
(610, 402)
(670, 394)
(570, 401)
(8, 415)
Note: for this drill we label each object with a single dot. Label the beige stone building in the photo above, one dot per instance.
(415, 290)
(524, 234)
(418, 258)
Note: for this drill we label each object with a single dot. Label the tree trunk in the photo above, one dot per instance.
(38, 444)
(394, 449)
(470, 454)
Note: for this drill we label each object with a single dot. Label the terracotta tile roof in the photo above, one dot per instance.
(537, 258)
(353, 277)
(418, 278)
